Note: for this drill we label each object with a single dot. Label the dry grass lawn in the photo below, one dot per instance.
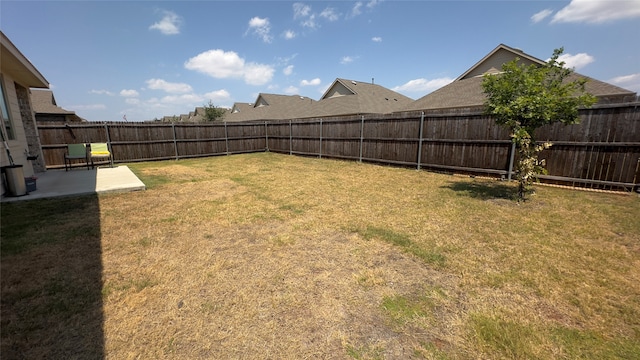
(268, 256)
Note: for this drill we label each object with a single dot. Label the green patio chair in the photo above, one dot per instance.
(100, 151)
(75, 151)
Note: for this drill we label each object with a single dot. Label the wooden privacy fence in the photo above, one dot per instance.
(603, 151)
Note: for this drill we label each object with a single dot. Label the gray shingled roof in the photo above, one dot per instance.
(271, 107)
(44, 102)
(367, 98)
(467, 91)
(362, 98)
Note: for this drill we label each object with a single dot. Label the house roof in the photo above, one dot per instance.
(20, 68)
(492, 62)
(349, 97)
(466, 90)
(343, 97)
(45, 103)
(271, 107)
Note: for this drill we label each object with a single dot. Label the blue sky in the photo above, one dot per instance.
(147, 59)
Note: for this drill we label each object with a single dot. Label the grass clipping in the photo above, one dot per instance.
(271, 256)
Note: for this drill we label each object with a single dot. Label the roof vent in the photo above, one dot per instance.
(354, 83)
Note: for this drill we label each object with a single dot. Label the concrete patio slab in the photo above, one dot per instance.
(55, 183)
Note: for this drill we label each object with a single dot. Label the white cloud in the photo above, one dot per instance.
(218, 96)
(222, 64)
(597, 11)
(423, 85)
(330, 14)
(87, 107)
(159, 84)
(261, 28)
(303, 13)
(310, 22)
(357, 7)
(288, 70)
(373, 3)
(169, 25)
(356, 10)
(289, 34)
(258, 74)
(629, 82)
(129, 93)
(539, 16)
(313, 82)
(291, 90)
(301, 10)
(576, 61)
(347, 59)
(101, 92)
(174, 104)
(184, 99)
(376, 39)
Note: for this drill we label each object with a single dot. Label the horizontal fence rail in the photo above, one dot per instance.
(602, 151)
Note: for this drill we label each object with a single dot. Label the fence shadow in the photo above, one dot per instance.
(484, 190)
(51, 283)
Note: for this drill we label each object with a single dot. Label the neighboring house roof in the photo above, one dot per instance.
(349, 97)
(272, 107)
(45, 107)
(20, 68)
(466, 90)
(45, 103)
(492, 62)
(240, 107)
(343, 97)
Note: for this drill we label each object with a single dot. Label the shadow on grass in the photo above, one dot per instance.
(51, 263)
(484, 190)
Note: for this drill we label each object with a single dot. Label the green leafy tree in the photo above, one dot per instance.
(524, 98)
(213, 113)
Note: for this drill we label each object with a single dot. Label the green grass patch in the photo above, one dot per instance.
(510, 339)
(403, 309)
(135, 285)
(515, 340)
(586, 344)
(365, 352)
(429, 350)
(404, 242)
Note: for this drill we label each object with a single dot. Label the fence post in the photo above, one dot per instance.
(175, 140)
(266, 137)
(106, 130)
(511, 158)
(290, 139)
(361, 137)
(226, 137)
(420, 140)
(320, 138)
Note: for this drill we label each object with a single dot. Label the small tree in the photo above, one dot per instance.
(524, 98)
(212, 113)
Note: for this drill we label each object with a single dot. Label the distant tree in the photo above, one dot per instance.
(524, 98)
(212, 113)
